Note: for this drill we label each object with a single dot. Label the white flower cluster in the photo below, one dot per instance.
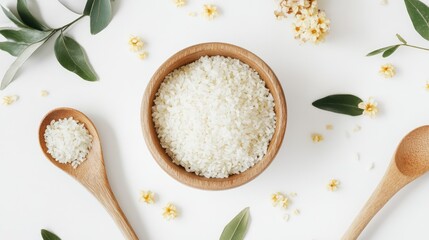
(311, 23)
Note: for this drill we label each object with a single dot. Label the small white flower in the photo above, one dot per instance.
(136, 44)
(170, 211)
(311, 23)
(316, 137)
(369, 107)
(333, 185)
(277, 198)
(210, 11)
(147, 197)
(179, 3)
(387, 70)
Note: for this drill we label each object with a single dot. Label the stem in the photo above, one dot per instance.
(63, 28)
(413, 46)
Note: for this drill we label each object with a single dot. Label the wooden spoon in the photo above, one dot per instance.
(91, 173)
(410, 161)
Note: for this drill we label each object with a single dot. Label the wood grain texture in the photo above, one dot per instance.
(187, 56)
(91, 173)
(410, 161)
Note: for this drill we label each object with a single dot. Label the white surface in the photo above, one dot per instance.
(34, 194)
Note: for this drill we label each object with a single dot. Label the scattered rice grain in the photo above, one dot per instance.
(371, 166)
(44, 93)
(286, 217)
(296, 212)
(8, 100)
(357, 128)
(357, 157)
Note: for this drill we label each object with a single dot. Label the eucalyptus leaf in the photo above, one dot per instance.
(16, 65)
(419, 14)
(28, 18)
(380, 50)
(340, 103)
(24, 35)
(390, 51)
(88, 7)
(400, 38)
(47, 235)
(236, 229)
(13, 18)
(73, 58)
(13, 48)
(100, 16)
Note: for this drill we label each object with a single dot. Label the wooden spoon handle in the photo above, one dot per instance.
(391, 183)
(107, 198)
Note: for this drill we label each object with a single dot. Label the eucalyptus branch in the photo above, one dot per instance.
(32, 34)
(389, 50)
(419, 15)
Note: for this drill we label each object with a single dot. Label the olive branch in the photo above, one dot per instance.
(30, 34)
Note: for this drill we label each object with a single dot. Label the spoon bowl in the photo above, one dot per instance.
(81, 172)
(91, 173)
(412, 155)
(411, 160)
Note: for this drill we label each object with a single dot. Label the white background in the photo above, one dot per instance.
(34, 194)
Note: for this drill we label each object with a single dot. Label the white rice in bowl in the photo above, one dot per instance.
(215, 116)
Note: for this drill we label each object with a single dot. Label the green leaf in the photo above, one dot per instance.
(13, 48)
(236, 229)
(88, 7)
(19, 61)
(380, 50)
(72, 57)
(340, 103)
(24, 35)
(13, 18)
(46, 235)
(419, 14)
(101, 13)
(400, 38)
(27, 17)
(390, 51)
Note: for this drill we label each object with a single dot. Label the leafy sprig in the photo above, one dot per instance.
(419, 15)
(349, 104)
(30, 34)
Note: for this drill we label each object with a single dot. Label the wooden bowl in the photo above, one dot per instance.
(187, 56)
